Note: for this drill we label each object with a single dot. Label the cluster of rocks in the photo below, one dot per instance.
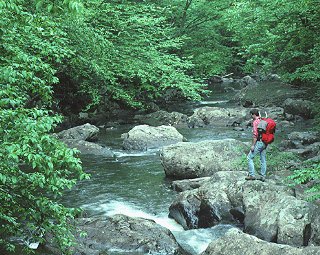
(161, 117)
(291, 111)
(244, 81)
(203, 116)
(84, 138)
(267, 210)
(306, 144)
(271, 219)
(141, 138)
(120, 234)
(236, 242)
(192, 160)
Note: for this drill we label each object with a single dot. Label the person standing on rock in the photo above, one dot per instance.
(257, 147)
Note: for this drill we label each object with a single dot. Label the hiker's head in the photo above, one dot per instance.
(254, 113)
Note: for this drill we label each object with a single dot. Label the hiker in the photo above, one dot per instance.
(257, 147)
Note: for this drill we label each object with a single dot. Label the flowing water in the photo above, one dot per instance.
(134, 183)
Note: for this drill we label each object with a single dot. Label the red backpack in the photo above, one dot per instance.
(267, 127)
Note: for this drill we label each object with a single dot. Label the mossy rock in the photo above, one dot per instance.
(267, 94)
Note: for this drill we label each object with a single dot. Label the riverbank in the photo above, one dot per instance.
(137, 179)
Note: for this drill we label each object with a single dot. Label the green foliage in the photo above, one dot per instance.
(124, 53)
(207, 43)
(31, 47)
(277, 36)
(35, 168)
(257, 36)
(280, 160)
(114, 51)
(58, 6)
(310, 174)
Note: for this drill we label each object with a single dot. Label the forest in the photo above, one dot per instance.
(70, 56)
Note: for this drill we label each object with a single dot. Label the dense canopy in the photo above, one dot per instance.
(59, 57)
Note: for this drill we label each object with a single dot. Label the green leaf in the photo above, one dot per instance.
(50, 7)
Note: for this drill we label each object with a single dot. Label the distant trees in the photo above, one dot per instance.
(250, 36)
(125, 52)
(207, 41)
(281, 36)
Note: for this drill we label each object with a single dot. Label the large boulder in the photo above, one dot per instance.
(275, 216)
(309, 151)
(89, 148)
(266, 94)
(122, 233)
(217, 200)
(81, 138)
(216, 116)
(157, 118)
(236, 242)
(193, 160)
(306, 144)
(185, 210)
(294, 222)
(300, 139)
(299, 107)
(86, 132)
(267, 210)
(189, 184)
(249, 81)
(144, 137)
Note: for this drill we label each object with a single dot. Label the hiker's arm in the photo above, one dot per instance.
(254, 140)
(255, 134)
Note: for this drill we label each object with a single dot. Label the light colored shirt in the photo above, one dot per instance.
(255, 127)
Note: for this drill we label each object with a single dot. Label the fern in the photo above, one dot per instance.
(309, 174)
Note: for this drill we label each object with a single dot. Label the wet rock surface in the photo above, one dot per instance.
(267, 210)
(123, 234)
(236, 242)
(216, 116)
(89, 148)
(86, 132)
(189, 184)
(193, 160)
(82, 138)
(299, 107)
(158, 118)
(144, 137)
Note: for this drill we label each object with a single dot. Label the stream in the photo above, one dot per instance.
(134, 183)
